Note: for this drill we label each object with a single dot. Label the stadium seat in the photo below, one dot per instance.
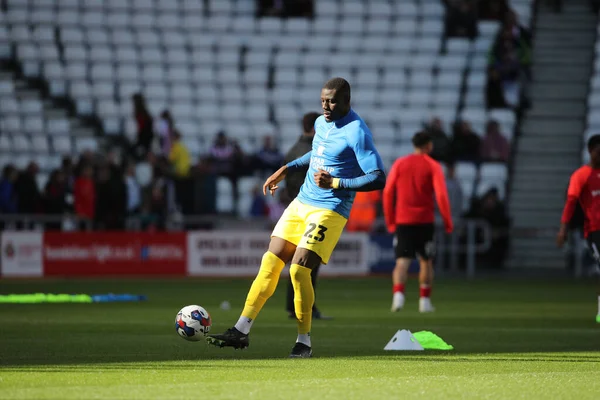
(466, 171)
(5, 144)
(493, 171)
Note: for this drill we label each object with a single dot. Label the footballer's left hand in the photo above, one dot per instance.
(323, 179)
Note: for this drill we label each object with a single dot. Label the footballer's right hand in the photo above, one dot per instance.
(273, 180)
(561, 237)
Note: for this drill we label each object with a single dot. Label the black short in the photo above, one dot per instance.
(414, 240)
(593, 240)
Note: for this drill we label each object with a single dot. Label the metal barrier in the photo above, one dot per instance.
(450, 244)
(38, 222)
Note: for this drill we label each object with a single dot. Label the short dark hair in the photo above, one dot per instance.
(421, 139)
(593, 142)
(339, 85)
(308, 121)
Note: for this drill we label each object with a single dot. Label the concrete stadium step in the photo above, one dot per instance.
(541, 160)
(558, 110)
(527, 152)
(572, 40)
(541, 74)
(560, 91)
(525, 167)
(519, 185)
(537, 126)
(564, 60)
(535, 143)
(545, 221)
(547, 197)
(538, 207)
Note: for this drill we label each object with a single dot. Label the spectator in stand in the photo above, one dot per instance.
(222, 155)
(68, 170)
(492, 210)
(8, 193)
(158, 205)
(269, 158)
(181, 164)
(206, 188)
(84, 191)
(275, 209)
(149, 220)
(145, 132)
(494, 146)
(505, 70)
(455, 193)
(259, 206)
(226, 156)
(492, 9)
(179, 157)
(295, 179)
(460, 19)
(521, 39)
(29, 198)
(85, 158)
(55, 194)
(134, 192)
(111, 204)
(509, 64)
(285, 8)
(441, 143)
(165, 130)
(465, 143)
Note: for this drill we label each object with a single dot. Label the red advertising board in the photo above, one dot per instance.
(114, 253)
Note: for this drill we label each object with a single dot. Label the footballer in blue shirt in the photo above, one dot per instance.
(343, 160)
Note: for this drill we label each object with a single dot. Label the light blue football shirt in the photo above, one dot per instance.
(345, 149)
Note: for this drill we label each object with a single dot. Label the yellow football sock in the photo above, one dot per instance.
(264, 285)
(304, 296)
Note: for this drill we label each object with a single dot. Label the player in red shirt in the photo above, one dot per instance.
(409, 213)
(584, 187)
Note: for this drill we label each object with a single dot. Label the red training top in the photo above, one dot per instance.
(408, 194)
(584, 187)
(84, 192)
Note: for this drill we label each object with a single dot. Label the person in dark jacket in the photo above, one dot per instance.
(8, 194)
(111, 204)
(29, 198)
(144, 123)
(293, 181)
(465, 143)
(55, 194)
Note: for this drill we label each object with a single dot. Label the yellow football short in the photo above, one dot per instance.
(312, 228)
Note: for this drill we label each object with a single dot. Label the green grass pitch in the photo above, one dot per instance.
(512, 339)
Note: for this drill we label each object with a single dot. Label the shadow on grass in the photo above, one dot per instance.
(91, 363)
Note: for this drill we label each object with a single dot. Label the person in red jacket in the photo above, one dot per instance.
(584, 188)
(409, 214)
(84, 192)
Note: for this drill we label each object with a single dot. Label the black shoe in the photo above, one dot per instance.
(301, 350)
(231, 338)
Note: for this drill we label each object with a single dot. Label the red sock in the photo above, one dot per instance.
(399, 288)
(425, 290)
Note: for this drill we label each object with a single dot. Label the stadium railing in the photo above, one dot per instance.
(470, 238)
